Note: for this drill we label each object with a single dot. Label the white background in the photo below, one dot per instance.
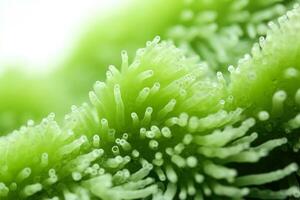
(36, 33)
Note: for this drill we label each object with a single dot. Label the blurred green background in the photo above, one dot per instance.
(52, 53)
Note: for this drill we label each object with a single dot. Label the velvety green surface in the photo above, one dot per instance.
(163, 125)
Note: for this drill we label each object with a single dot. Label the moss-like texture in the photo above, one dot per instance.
(270, 80)
(218, 32)
(163, 126)
(156, 128)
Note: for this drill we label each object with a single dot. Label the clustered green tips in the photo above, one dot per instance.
(56, 162)
(98, 47)
(164, 127)
(158, 120)
(270, 77)
(222, 32)
(161, 80)
(219, 32)
(154, 121)
(261, 69)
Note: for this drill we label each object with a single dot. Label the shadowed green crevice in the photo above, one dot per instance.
(269, 79)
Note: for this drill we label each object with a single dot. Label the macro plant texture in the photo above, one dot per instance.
(218, 32)
(209, 110)
(201, 28)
